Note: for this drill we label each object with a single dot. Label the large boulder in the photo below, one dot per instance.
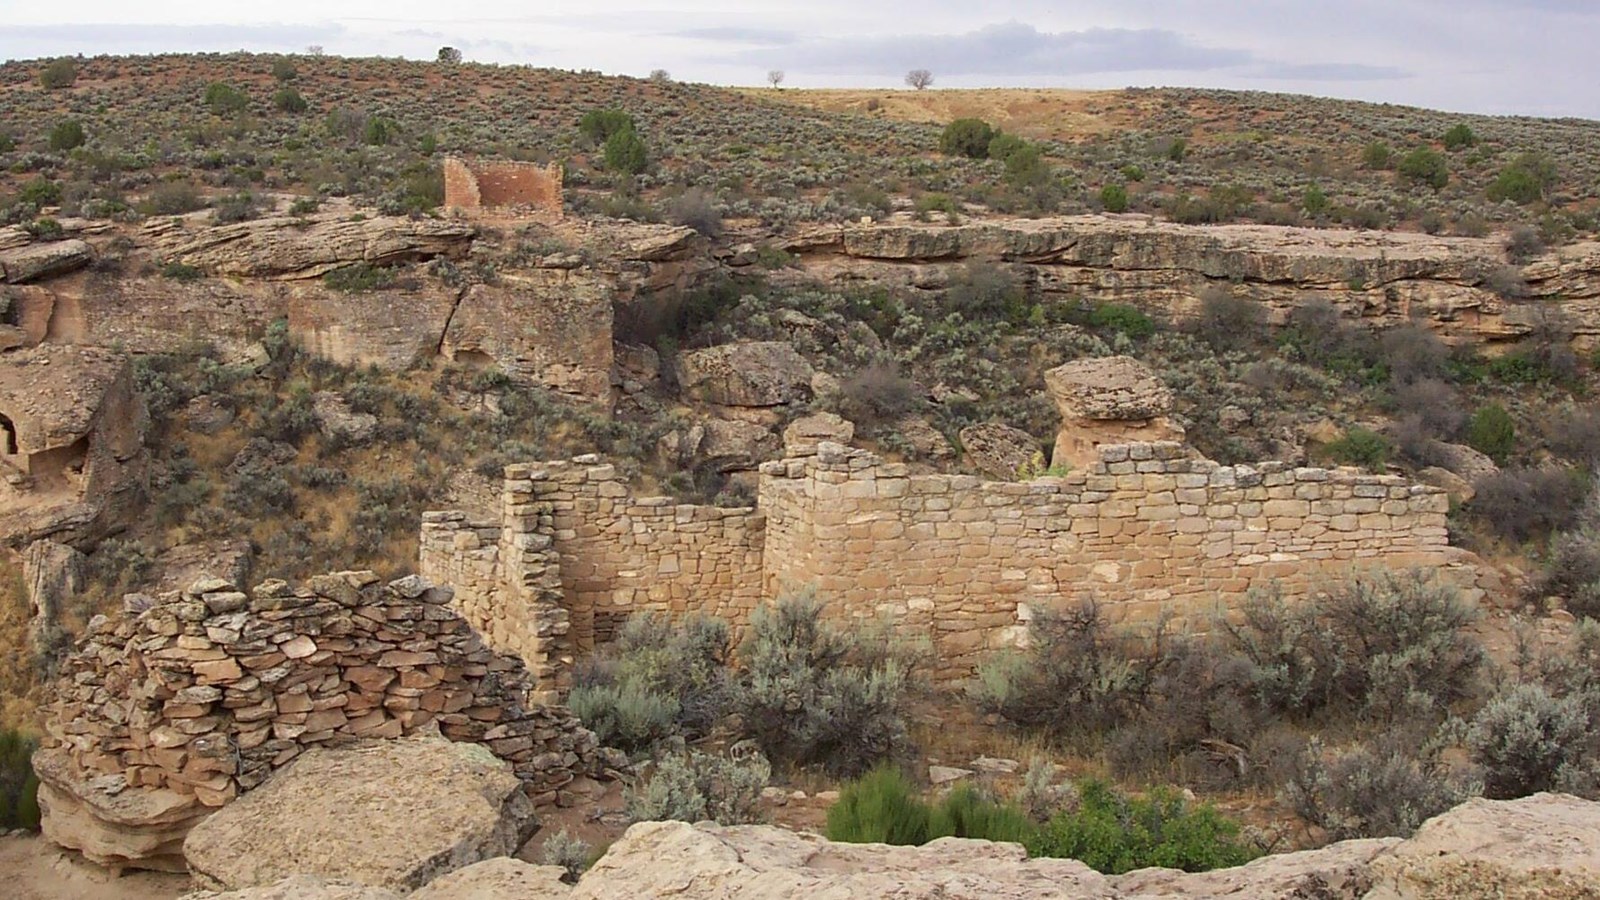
(661, 859)
(998, 450)
(393, 814)
(805, 433)
(499, 879)
(1544, 847)
(301, 887)
(44, 259)
(756, 374)
(1340, 871)
(109, 823)
(1107, 400)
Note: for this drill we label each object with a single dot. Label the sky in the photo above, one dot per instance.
(1527, 57)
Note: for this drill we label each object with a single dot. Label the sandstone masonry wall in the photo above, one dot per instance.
(1147, 531)
(481, 184)
(195, 697)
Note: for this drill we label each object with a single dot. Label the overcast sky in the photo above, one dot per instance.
(1534, 57)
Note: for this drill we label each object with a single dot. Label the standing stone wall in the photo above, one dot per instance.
(1147, 531)
(481, 184)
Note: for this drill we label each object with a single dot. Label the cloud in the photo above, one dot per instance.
(1330, 72)
(22, 41)
(772, 37)
(1013, 48)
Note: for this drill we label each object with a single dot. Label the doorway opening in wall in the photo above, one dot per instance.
(8, 433)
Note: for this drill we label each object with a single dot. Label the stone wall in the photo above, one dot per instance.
(613, 554)
(1147, 531)
(194, 697)
(481, 184)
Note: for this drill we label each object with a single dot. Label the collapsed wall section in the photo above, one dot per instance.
(195, 697)
(1147, 532)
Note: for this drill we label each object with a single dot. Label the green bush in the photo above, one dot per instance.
(882, 807)
(1459, 137)
(658, 681)
(567, 852)
(599, 125)
(1075, 676)
(380, 132)
(1122, 318)
(1529, 741)
(1492, 432)
(60, 73)
(19, 787)
(1525, 180)
(178, 271)
(1114, 198)
(967, 137)
(288, 100)
(1002, 146)
(1359, 447)
(814, 693)
(359, 278)
(696, 787)
(625, 152)
(40, 191)
(225, 99)
(1177, 150)
(67, 135)
(1377, 155)
(1113, 833)
(1425, 166)
(1373, 791)
(171, 198)
(283, 69)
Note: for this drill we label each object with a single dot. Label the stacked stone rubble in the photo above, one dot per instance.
(204, 693)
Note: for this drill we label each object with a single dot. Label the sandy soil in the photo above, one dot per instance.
(35, 869)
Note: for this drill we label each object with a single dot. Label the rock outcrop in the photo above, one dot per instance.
(803, 435)
(751, 374)
(43, 259)
(1109, 400)
(52, 574)
(194, 698)
(290, 248)
(392, 814)
(550, 327)
(1388, 278)
(71, 443)
(1544, 847)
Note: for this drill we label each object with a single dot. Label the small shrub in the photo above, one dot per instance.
(1074, 677)
(288, 100)
(1114, 198)
(171, 198)
(1227, 322)
(359, 278)
(1412, 353)
(966, 137)
(19, 787)
(1425, 167)
(628, 715)
(380, 132)
(1003, 146)
(1113, 833)
(1459, 137)
(877, 394)
(1123, 319)
(178, 271)
(659, 680)
(1359, 447)
(235, 208)
(1314, 201)
(1492, 432)
(225, 99)
(697, 787)
(67, 135)
(1523, 244)
(1529, 741)
(60, 73)
(1524, 181)
(968, 813)
(599, 125)
(283, 70)
(817, 694)
(1370, 792)
(1521, 505)
(882, 807)
(1176, 150)
(40, 192)
(625, 153)
(696, 209)
(569, 852)
(1377, 156)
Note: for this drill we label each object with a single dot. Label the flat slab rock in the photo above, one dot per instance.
(389, 814)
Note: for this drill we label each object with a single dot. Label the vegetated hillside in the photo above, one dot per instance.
(141, 131)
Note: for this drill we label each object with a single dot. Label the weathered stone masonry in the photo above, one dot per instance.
(481, 184)
(1147, 531)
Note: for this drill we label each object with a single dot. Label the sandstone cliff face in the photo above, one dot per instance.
(550, 327)
(1387, 277)
(290, 248)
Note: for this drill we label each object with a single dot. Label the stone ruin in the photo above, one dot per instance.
(474, 185)
(194, 697)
